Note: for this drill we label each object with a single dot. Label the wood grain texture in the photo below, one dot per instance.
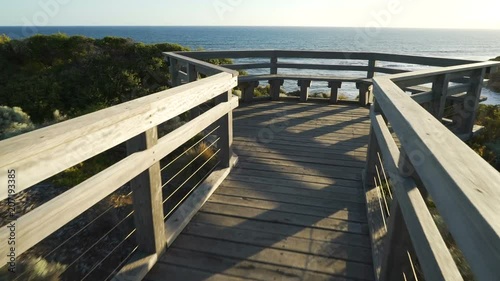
(43, 221)
(278, 211)
(147, 198)
(430, 247)
(464, 187)
(45, 152)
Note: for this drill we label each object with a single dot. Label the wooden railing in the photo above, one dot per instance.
(430, 159)
(355, 62)
(38, 155)
(418, 171)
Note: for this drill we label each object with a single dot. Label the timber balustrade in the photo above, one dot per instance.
(414, 154)
(355, 62)
(41, 154)
(416, 168)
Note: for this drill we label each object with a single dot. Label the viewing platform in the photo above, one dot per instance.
(270, 187)
(294, 206)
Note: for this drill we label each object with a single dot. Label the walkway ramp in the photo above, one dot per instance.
(293, 208)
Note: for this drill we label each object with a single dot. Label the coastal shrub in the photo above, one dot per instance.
(494, 82)
(77, 75)
(14, 121)
(487, 143)
(4, 38)
(342, 97)
(35, 269)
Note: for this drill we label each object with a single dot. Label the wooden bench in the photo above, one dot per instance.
(249, 82)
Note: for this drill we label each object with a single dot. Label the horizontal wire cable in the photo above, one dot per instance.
(381, 207)
(121, 263)
(412, 266)
(112, 251)
(190, 162)
(192, 189)
(72, 236)
(385, 175)
(97, 242)
(198, 142)
(382, 191)
(208, 160)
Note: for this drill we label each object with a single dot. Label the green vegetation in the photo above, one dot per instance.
(41, 270)
(14, 121)
(494, 83)
(487, 143)
(77, 75)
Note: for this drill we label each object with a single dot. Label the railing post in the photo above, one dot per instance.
(466, 116)
(397, 243)
(275, 85)
(371, 68)
(440, 91)
(274, 64)
(334, 90)
(372, 155)
(304, 89)
(147, 198)
(174, 74)
(192, 75)
(225, 132)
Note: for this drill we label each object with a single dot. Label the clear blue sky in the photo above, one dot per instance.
(360, 13)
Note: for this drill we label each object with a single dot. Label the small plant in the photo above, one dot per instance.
(494, 79)
(35, 269)
(487, 143)
(342, 97)
(294, 93)
(14, 121)
(4, 39)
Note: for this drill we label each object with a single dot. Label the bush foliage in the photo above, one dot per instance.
(487, 144)
(494, 82)
(78, 75)
(14, 121)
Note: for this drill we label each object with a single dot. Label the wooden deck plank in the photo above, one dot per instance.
(287, 207)
(299, 177)
(294, 207)
(302, 143)
(309, 262)
(344, 194)
(327, 152)
(298, 156)
(311, 233)
(298, 200)
(175, 272)
(285, 218)
(283, 242)
(242, 268)
(303, 186)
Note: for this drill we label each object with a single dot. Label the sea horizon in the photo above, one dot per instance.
(469, 44)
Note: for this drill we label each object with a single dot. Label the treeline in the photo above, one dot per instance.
(77, 75)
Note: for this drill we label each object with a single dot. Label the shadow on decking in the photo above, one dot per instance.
(291, 210)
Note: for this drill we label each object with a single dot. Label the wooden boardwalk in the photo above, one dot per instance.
(293, 209)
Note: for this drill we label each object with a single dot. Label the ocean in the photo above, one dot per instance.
(465, 44)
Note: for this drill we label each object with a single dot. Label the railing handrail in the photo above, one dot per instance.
(377, 56)
(40, 154)
(464, 187)
(22, 152)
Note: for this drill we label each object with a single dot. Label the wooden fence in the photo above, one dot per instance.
(418, 171)
(429, 162)
(43, 153)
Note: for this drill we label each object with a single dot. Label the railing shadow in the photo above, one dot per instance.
(250, 223)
